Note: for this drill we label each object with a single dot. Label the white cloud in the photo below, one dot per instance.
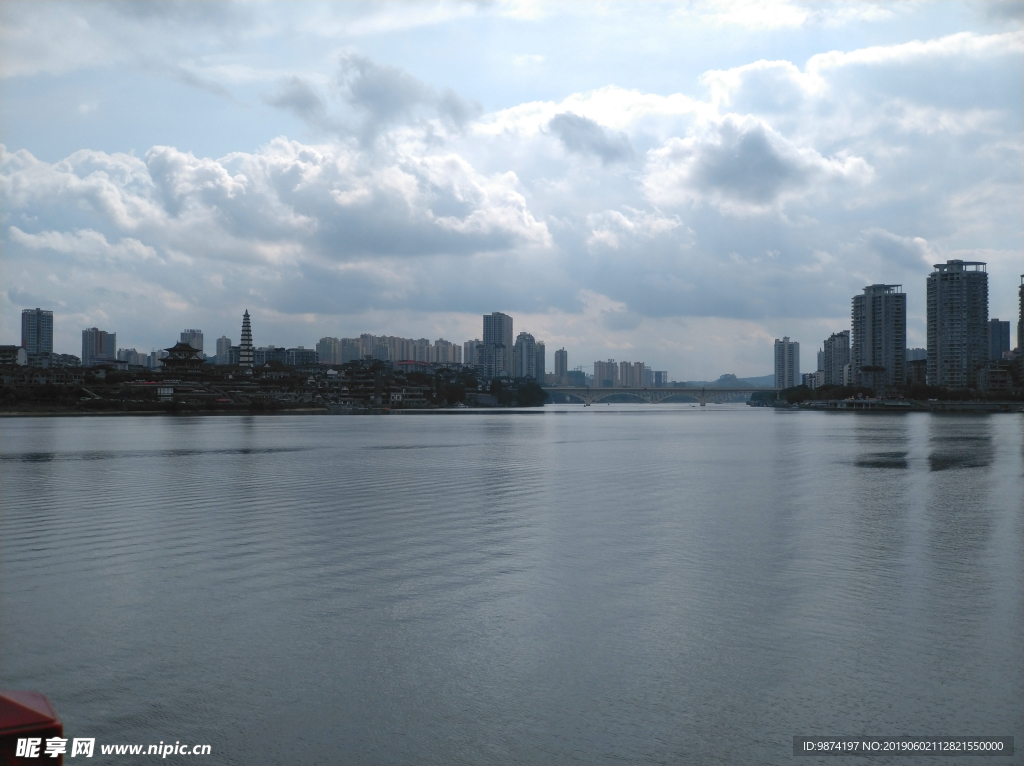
(610, 227)
(961, 44)
(779, 14)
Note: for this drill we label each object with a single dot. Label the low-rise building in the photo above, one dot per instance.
(13, 355)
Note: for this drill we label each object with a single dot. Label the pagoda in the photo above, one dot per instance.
(182, 359)
(245, 350)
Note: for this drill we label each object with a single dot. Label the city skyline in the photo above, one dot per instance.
(702, 180)
(873, 352)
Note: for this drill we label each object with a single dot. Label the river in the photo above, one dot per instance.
(610, 584)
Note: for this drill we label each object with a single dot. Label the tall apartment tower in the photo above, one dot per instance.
(561, 366)
(957, 323)
(787, 363)
(245, 350)
(525, 356)
(539, 362)
(194, 338)
(878, 348)
(98, 346)
(37, 331)
(498, 335)
(469, 351)
(835, 356)
(1020, 314)
(998, 338)
(223, 349)
(606, 374)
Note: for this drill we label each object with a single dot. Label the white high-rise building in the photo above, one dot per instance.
(787, 363)
(958, 342)
(194, 338)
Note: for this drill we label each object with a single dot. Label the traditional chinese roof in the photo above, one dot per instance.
(181, 357)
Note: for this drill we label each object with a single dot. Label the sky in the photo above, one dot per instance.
(678, 184)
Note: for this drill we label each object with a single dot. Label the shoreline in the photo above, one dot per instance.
(944, 407)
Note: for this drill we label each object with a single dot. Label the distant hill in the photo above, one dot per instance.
(731, 381)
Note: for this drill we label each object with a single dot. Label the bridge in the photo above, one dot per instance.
(653, 395)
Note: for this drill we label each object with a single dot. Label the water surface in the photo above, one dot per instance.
(614, 584)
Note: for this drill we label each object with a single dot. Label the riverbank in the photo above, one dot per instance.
(905, 405)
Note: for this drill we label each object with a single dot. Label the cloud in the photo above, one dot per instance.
(741, 166)
(54, 38)
(85, 244)
(773, 14)
(763, 87)
(373, 99)
(301, 99)
(386, 96)
(583, 136)
(914, 254)
(319, 201)
(960, 45)
(612, 227)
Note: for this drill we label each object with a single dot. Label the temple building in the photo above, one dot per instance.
(182, 359)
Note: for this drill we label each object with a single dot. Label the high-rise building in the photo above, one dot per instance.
(223, 349)
(132, 357)
(469, 351)
(194, 338)
(787, 363)
(155, 359)
(524, 356)
(561, 366)
(245, 350)
(957, 323)
(498, 334)
(660, 378)
(329, 350)
(539, 362)
(878, 348)
(998, 339)
(98, 347)
(606, 374)
(445, 352)
(631, 375)
(37, 331)
(1020, 316)
(835, 355)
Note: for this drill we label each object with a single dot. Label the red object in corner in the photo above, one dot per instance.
(24, 715)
